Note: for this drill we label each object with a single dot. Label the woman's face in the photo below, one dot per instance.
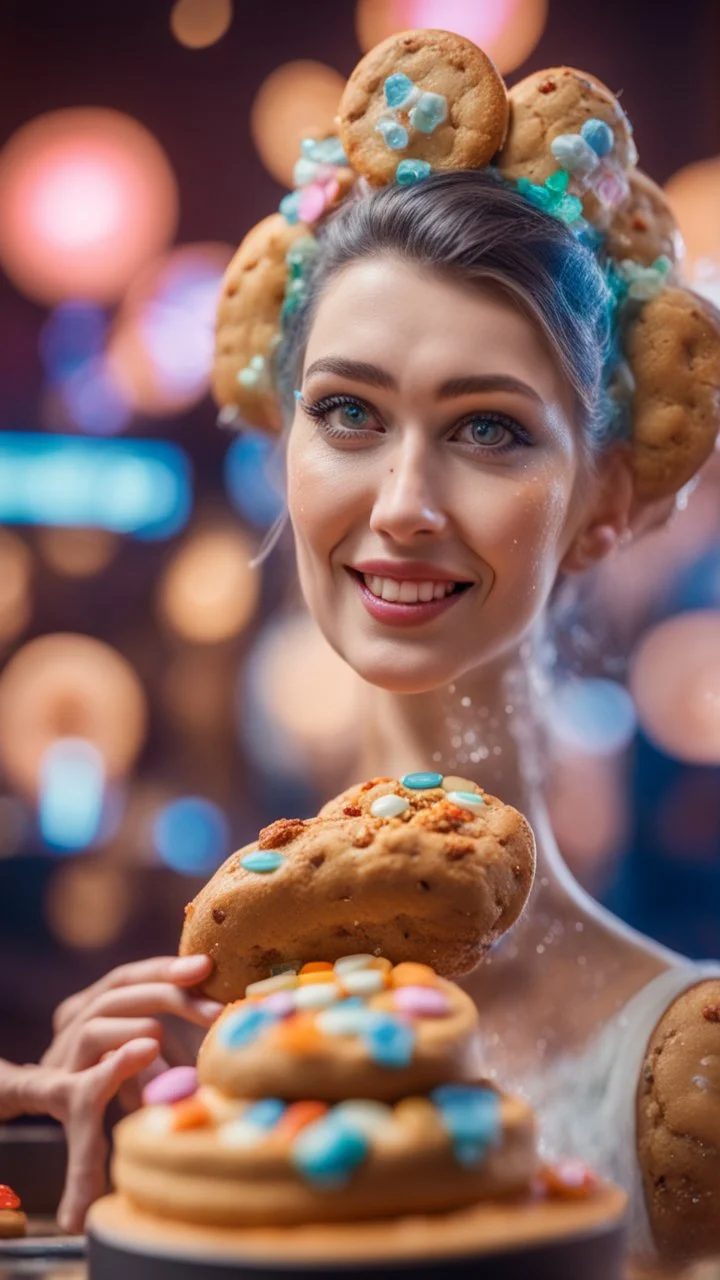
(433, 474)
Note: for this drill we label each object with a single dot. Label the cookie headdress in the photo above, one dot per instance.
(426, 101)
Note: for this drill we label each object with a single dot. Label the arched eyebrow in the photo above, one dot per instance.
(373, 376)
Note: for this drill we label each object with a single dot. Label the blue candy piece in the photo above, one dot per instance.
(304, 172)
(574, 153)
(398, 88)
(599, 136)
(429, 112)
(389, 1041)
(243, 1027)
(262, 861)
(409, 172)
(421, 781)
(569, 209)
(328, 1151)
(264, 1114)
(394, 135)
(290, 207)
(471, 1115)
(323, 150)
(539, 196)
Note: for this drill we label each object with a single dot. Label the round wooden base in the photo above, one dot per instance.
(549, 1241)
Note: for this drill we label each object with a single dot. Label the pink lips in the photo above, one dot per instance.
(394, 614)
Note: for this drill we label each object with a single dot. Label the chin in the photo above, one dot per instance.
(403, 671)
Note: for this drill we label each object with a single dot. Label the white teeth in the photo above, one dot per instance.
(398, 592)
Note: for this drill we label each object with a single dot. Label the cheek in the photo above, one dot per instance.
(521, 532)
(318, 502)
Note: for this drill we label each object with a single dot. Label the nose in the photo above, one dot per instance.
(407, 503)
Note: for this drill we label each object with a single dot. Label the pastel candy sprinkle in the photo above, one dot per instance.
(348, 1018)
(365, 1115)
(421, 1002)
(364, 982)
(265, 1113)
(280, 1005)
(421, 781)
(316, 966)
(389, 806)
(411, 974)
(191, 1113)
(452, 783)
(394, 135)
(290, 207)
(296, 1117)
(253, 375)
(327, 1152)
(348, 964)
(471, 1114)
(262, 861)
(241, 1028)
(253, 1125)
(574, 153)
(466, 800)
(305, 171)
(158, 1119)
(312, 203)
(599, 136)
(409, 172)
(429, 111)
(171, 1086)
(398, 89)
(268, 986)
(389, 1041)
(317, 995)
(323, 150)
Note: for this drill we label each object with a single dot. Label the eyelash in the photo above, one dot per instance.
(319, 411)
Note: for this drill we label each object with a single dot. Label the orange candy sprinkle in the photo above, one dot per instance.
(8, 1198)
(316, 975)
(296, 1117)
(568, 1180)
(316, 966)
(410, 974)
(297, 1034)
(191, 1113)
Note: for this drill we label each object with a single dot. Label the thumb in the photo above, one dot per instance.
(91, 1090)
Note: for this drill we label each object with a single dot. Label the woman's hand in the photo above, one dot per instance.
(126, 1005)
(78, 1100)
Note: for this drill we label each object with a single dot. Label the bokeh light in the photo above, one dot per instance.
(675, 680)
(77, 553)
(87, 903)
(71, 794)
(161, 350)
(192, 836)
(694, 194)
(194, 689)
(14, 825)
(200, 23)
(507, 30)
(93, 401)
(588, 808)
(299, 706)
(298, 100)
(68, 686)
(87, 197)
(209, 592)
(592, 715)
(15, 577)
(253, 478)
(73, 333)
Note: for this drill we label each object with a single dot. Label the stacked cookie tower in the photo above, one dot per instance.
(342, 1084)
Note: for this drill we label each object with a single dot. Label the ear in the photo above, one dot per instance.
(606, 521)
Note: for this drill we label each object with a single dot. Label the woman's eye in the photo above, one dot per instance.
(341, 416)
(492, 431)
(485, 431)
(349, 415)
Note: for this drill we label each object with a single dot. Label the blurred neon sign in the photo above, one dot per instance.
(138, 487)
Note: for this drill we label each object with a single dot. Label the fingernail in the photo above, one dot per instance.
(188, 966)
(210, 1008)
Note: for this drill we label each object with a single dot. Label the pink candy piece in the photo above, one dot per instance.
(281, 1004)
(421, 1002)
(312, 203)
(171, 1086)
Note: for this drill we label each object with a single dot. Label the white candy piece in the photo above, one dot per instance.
(222, 1108)
(240, 1135)
(363, 982)
(268, 986)
(316, 995)
(368, 1117)
(390, 806)
(158, 1119)
(464, 800)
(348, 964)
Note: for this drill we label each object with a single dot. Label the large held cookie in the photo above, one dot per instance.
(673, 349)
(566, 119)
(361, 1028)
(429, 869)
(248, 318)
(422, 101)
(643, 228)
(678, 1124)
(209, 1159)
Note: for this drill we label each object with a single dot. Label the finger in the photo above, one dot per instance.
(130, 1093)
(87, 1146)
(152, 998)
(99, 1036)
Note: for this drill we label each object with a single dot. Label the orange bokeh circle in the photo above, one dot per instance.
(297, 100)
(675, 681)
(507, 30)
(87, 196)
(200, 23)
(694, 195)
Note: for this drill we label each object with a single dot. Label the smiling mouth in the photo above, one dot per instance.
(399, 591)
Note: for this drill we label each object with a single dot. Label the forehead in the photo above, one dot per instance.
(412, 320)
